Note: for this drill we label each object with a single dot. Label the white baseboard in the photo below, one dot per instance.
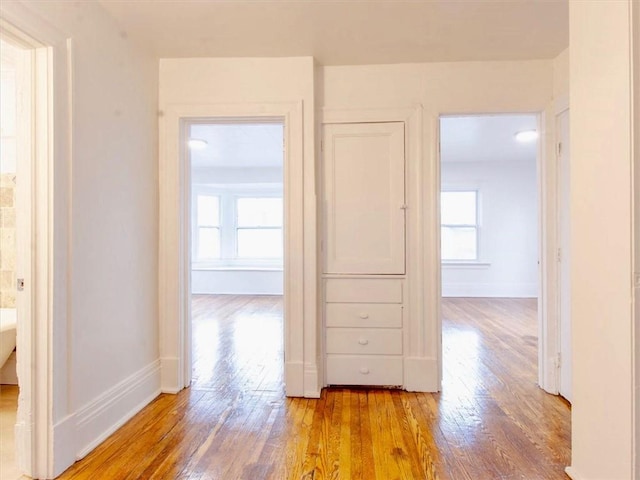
(312, 386)
(490, 290)
(573, 474)
(169, 375)
(103, 416)
(64, 445)
(421, 374)
(294, 379)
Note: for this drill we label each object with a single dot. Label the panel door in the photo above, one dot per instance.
(364, 194)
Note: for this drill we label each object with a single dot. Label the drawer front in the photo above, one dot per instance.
(381, 315)
(363, 290)
(364, 370)
(364, 341)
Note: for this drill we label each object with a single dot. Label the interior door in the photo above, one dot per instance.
(564, 254)
(364, 195)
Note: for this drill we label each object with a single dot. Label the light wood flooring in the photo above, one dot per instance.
(490, 421)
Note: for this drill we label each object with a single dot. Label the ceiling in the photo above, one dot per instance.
(348, 32)
(238, 145)
(486, 138)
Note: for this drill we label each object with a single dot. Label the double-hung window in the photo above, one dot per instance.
(237, 226)
(207, 231)
(459, 225)
(259, 227)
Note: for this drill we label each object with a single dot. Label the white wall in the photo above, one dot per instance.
(602, 227)
(508, 233)
(109, 335)
(247, 84)
(441, 88)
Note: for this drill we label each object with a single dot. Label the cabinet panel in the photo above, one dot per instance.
(369, 290)
(364, 341)
(364, 195)
(363, 315)
(364, 370)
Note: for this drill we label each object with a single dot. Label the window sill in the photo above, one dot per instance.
(465, 264)
(235, 268)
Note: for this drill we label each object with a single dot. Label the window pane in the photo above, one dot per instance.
(260, 243)
(208, 211)
(260, 212)
(459, 243)
(208, 243)
(458, 208)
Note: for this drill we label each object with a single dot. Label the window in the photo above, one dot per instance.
(237, 226)
(259, 227)
(208, 227)
(459, 225)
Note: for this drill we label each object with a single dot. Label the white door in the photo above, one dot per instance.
(364, 198)
(564, 253)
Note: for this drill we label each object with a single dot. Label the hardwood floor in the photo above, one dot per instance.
(491, 421)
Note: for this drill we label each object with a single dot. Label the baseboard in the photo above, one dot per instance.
(294, 379)
(64, 445)
(311, 383)
(573, 474)
(421, 374)
(169, 375)
(108, 412)
(490, 290)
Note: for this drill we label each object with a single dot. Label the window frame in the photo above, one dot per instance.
(476, 226)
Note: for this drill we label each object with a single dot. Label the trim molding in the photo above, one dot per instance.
(421, 374)
(573, 473)
(495, 290)
(103, 416)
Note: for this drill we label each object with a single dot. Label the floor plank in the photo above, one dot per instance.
(490, 421)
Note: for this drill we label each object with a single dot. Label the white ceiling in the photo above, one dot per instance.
(486, 138)
(238, 145)
(348, 32)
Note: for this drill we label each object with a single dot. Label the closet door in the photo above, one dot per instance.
(364, 198)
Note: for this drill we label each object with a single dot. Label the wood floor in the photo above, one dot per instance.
(491, 421)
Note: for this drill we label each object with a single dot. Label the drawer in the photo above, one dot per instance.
(364, 370)
(364, 341)
(380, 315)
(363, 290)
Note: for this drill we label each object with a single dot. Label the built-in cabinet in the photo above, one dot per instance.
(364, 253)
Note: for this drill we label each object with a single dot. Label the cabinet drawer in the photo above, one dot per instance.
(363, 290)
(364, 370)
(363, 315)
(364, 341)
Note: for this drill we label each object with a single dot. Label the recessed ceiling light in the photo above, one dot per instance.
(526, 135)
(197, 144)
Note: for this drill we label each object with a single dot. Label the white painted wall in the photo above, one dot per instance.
(247, 84)
(108, 334)
(441, 88)
(602, 228)
(508, 232)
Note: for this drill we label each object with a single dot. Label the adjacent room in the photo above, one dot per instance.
(237, 253)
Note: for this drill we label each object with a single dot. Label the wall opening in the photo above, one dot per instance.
(237, 253)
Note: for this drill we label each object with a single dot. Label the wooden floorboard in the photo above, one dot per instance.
(490, 421)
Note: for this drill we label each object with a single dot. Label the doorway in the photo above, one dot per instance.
(237, 251)
(489, 200)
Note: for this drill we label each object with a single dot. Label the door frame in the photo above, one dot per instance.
(44, 429)
(300, 332)
(547, 237)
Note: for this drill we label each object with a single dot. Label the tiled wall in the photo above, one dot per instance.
(7, 240)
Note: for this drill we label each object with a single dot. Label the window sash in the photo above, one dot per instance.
(460, 240)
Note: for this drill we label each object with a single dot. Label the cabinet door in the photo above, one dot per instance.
(364, 218)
